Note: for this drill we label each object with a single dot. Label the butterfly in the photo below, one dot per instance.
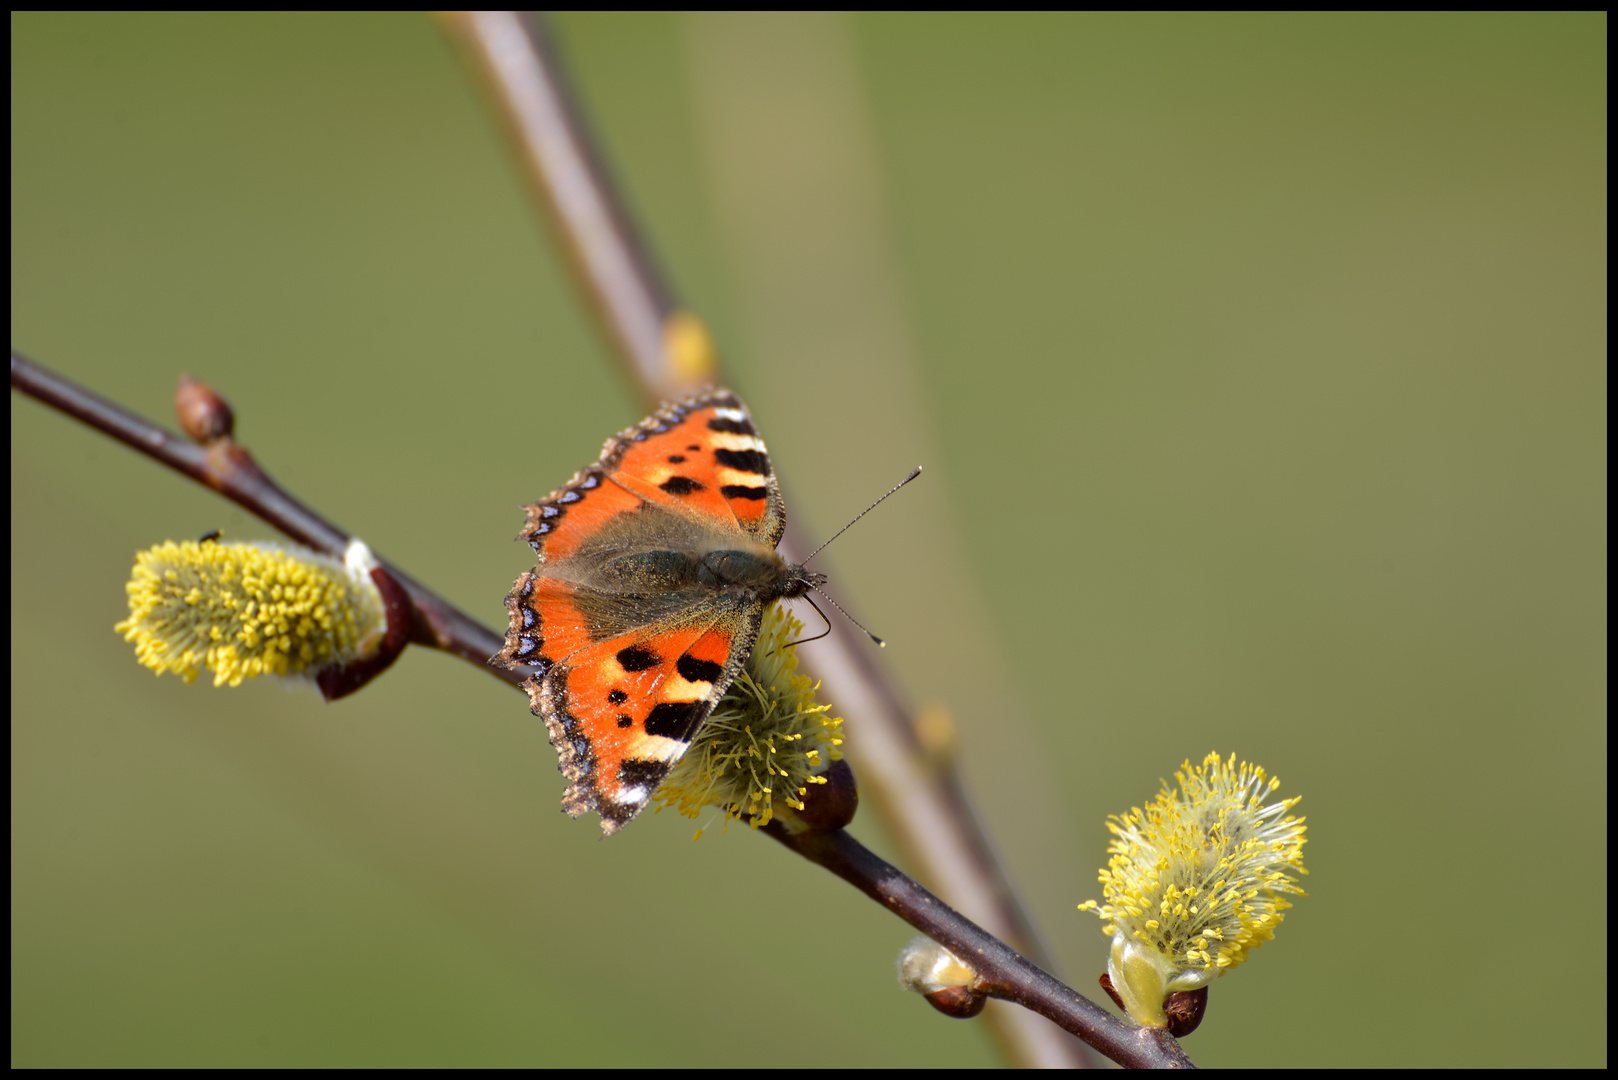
(655, 566)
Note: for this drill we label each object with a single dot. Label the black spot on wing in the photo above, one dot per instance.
(680, 485)
(733, 427)
(676, 719)
(692, 669)
(634, 771)
(618, 697)
(753, 461)
(638, 658)
(732, 491)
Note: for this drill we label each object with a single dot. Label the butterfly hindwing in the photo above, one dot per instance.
(623, 711)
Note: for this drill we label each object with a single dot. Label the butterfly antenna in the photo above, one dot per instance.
(913, 474)
(879, 642)
(800, 641)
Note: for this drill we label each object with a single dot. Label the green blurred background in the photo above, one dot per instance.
(1258, 365)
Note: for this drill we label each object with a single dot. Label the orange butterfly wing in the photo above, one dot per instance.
(632, 636)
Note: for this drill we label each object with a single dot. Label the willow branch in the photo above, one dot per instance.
(228, 468)
(1002, 972)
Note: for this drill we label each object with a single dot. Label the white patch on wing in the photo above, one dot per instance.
(738, 415)
(737, 478)
(657, 748)
(676, 688)
(730, 440)
(634, 795)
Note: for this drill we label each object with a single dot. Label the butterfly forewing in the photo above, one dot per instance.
(708, 459)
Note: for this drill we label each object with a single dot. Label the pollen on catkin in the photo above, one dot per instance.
(1195, 880)
(241, 610)
(767, 740)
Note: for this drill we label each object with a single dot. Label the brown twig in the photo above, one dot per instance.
(228, 468)
(1002, 971)
(632, 300)
(922, 802)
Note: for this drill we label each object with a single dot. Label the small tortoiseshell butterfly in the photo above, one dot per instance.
(655, 566)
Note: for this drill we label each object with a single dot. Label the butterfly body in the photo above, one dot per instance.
(655, 567)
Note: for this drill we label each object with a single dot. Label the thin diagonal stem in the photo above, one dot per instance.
(569, 178)
(1002, 971)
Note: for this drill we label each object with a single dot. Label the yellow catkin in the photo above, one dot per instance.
(241, 610)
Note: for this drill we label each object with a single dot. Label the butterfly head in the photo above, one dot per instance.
(800, 581)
